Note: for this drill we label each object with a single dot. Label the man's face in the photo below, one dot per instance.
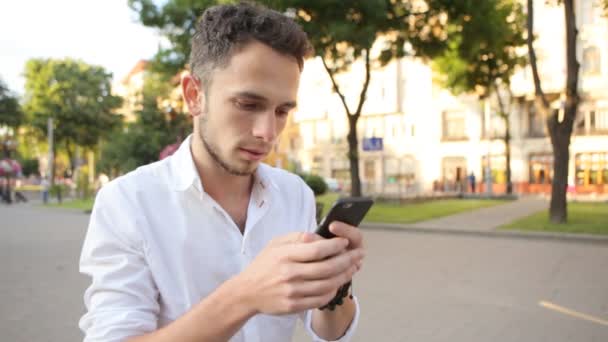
(246, 106)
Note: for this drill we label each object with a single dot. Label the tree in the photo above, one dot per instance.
(140, 142)
(341, 33)
(482, 56)
(10, 110)
(78, 98)
(559, 126)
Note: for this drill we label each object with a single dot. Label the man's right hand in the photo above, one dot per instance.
(297, 272)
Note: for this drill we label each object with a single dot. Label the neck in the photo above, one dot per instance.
(217, 182)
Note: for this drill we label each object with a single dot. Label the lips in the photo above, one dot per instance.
(254, 154)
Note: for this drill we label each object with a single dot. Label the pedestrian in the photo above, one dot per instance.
(472, 181)
(45, 186)
(210, 244)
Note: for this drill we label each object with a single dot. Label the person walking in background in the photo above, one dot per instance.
(45, 186)
(472, 181)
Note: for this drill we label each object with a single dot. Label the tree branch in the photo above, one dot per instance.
(532, 54)
(365, 84)
(335, 84)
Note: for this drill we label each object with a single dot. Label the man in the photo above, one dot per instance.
(210, 244)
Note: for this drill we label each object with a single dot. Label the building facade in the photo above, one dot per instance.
(415, 137)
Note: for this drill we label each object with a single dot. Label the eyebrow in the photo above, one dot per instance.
(257, 97)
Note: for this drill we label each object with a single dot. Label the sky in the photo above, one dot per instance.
(99, 32)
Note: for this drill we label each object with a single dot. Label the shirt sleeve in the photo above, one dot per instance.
(121, 301)
(309, 206)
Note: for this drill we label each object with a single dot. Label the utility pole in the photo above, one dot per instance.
(49, 130)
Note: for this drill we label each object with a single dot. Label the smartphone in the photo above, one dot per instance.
(350, 210)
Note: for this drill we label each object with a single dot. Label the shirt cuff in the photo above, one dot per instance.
(347, 335)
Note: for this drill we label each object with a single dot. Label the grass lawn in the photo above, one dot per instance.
(86, 204)
(591, 218)
(408, 213)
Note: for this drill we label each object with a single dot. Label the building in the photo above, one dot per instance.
(428, 140)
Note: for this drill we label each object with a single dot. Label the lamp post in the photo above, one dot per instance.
(488, 169)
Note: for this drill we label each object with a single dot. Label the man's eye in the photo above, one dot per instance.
(282, 112)
(251, 106)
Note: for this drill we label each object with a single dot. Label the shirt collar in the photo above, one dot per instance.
(184, 174)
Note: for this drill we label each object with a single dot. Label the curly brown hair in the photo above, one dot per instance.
(223, 29)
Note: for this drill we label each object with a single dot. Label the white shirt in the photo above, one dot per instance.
(157, 244)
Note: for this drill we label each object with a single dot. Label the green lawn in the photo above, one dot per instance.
(591, 218)
(408, 213)
(86, 204)
(380, 212)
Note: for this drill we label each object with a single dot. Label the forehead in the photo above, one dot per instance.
(258, 68)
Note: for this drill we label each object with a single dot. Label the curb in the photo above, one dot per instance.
(505, 234)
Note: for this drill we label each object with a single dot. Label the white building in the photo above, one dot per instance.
(433, 140)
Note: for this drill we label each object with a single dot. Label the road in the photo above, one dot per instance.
(414, 286)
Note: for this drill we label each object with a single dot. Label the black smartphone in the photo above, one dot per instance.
(350, 210)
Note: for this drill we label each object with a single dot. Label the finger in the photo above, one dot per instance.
(312, 288)
(329, 267)
(290, 238)
(353, 234)
(316, 250)
(310, 237)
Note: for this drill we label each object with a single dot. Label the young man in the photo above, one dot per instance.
(210, 244)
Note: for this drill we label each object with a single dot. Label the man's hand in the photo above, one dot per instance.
(301, 271)
(353, 235)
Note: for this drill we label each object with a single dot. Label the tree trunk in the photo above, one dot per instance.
(560, 139)
(560, 128)
(508, 155)
(507, 139)
(71, 154)
(353, 143)
(353, 157)
(52, 165)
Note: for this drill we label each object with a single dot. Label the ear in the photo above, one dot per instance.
(193, 95)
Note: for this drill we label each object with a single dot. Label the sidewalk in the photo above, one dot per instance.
(486, 221)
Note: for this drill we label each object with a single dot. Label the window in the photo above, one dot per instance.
(591, 168)
(591, 61)
(498, 168)
(541, 168)
(497, 127)
(369, 170)
(400, 170)
(592, 121)
(454, 169)
(536, 127)
(340, 169)
(598, 120)
(454, 127)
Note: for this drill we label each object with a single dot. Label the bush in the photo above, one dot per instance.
(29, 167)
(316, 183)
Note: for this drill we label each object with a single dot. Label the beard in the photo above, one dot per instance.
(213, 151)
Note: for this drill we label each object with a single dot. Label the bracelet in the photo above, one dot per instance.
(338, 298)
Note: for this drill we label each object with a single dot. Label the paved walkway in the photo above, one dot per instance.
(487, 219)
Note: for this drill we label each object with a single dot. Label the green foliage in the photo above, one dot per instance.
(29, 167)
(10, 110)
(316, 183)
(76, 95)
(484, 44)
(140, 142)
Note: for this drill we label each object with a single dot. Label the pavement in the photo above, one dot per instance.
(486, 222)
(413, 286)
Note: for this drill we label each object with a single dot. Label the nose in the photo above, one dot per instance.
(265, 127)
